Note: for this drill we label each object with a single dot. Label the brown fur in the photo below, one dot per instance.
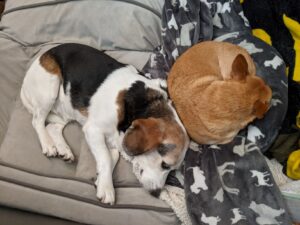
(120, 103)
(147, 134)
(84, 112)
(49, 64)
(223, 95)
(157, 106)
(156, 127)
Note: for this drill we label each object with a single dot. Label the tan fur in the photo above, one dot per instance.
(216, 91)
(49, 64)
(120, 103)
(145, 135)
(84, 112)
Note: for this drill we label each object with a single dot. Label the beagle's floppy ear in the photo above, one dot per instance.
(260, 109)
(239, 69)
(143, 136)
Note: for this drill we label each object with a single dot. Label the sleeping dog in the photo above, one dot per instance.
(119, 109)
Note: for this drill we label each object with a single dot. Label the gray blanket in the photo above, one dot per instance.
(226, 184)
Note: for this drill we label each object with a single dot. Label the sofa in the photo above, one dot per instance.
(31, 182)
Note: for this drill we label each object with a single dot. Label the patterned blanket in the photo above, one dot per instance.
(226, 184)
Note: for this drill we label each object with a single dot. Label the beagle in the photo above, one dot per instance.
(119, 110)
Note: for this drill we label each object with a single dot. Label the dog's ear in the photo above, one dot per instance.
(260, 108)
(144, 135)
(239, 68)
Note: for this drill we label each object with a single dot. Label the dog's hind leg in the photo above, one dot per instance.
(39, 93)
(40, 113)
(55, 130)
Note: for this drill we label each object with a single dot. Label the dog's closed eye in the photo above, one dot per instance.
(165, 166)
(163, 149)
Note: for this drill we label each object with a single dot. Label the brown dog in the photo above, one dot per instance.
(216, 91)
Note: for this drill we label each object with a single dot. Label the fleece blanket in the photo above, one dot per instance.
(226, 184)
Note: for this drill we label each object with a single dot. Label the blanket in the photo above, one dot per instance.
(232, 183)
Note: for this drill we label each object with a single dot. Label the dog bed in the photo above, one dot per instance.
(29, 180)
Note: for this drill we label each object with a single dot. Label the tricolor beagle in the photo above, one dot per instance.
(119, 109)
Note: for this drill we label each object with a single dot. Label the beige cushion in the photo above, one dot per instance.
(13, 61)
(28, 179)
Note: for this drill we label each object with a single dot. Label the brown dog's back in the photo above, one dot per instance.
(216, 92)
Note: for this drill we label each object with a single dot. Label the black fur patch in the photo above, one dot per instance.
(142, 102)
(85, 68)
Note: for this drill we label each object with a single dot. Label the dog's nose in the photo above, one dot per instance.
(155, 193)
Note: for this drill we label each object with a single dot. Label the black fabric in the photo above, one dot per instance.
(268, 16)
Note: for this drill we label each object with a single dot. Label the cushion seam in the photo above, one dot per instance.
(34, 5)
(5, 164)
(82, 199)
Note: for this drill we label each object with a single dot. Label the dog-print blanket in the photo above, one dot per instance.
(226, 184)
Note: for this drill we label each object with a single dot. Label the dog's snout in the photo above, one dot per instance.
(141, 172)
(155, 193)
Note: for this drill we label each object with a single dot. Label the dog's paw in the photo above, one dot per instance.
(49, 150)
(106, 194)
(65, 153)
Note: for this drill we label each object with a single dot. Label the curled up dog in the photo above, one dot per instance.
(224, 92)
(119, 109)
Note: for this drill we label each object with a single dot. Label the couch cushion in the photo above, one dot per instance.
(28, 179)
(13, 62)
(75, 200)
(86, 21)
(26, 174)
(21, 148)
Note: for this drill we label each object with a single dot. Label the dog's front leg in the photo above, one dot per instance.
(96, 140)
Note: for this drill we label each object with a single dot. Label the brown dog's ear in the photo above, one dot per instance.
(260, 109)
(239, 69)
(144, 135)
